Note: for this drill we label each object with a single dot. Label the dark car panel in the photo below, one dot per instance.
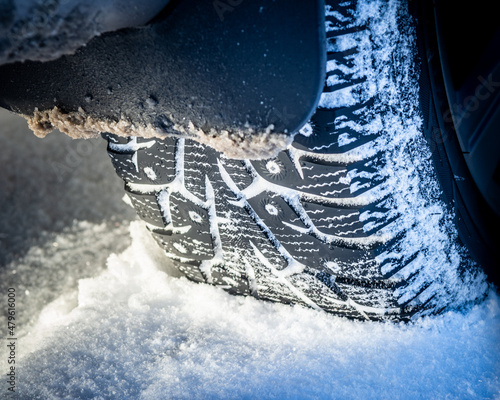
(459, 50)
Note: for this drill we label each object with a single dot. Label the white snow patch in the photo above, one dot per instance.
(272, 210)
(179, 247)
(195, 217)
(134, 332)
(150, 173)
(273, 167)
(344, 139)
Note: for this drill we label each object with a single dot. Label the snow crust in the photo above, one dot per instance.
(234, 142)
(134, 332)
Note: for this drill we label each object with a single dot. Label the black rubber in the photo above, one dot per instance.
(283, 230)
(193, 202)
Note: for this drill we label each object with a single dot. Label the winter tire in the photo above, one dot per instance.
(348, 219)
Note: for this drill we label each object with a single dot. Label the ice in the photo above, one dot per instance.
(344, 139)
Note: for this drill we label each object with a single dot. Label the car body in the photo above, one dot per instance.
(459, 49)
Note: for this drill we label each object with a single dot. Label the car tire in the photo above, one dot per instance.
(310, 226)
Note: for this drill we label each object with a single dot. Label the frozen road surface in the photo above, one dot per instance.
(97, 315)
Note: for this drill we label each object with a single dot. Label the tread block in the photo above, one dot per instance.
(335, 221)
(147, 208)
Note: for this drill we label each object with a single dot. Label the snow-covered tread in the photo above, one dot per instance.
(320, 224)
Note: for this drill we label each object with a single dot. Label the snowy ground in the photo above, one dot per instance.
(97, 316)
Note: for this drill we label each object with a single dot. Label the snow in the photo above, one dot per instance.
(40, 30)
(381, 56)
(94, 324)
(132, 331)
(101, 313)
